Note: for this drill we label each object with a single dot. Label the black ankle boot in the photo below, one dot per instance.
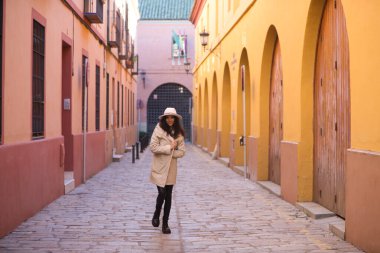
(165, 228)
(156, 219)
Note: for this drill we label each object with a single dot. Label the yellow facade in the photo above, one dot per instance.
(244, 33)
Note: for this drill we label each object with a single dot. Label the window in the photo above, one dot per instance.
(38, 83)
(122, 106)
(1, 72)
(107, 101)
(118, 104)
(84, 77)
(97, 99)
(133, 108)
(129, 108)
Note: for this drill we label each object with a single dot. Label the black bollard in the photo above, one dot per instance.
(133, 153)
(137, 151)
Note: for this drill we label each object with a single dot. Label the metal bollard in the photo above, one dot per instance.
(137, 151)
(133, 153)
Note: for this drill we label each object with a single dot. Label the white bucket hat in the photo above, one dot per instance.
(170, 111)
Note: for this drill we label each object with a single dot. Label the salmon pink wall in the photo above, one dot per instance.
(31, 177)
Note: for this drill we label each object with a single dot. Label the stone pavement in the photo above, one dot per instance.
(214, 210)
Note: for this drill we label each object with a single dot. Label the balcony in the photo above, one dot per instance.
(93, 10)
(124, 47)
(130, 61)
(114, 31)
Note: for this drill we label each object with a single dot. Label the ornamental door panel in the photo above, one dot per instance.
(275, 117)
(331, 110)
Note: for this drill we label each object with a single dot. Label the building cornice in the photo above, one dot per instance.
(196, 11)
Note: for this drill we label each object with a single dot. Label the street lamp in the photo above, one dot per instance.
(187, 67)
(204, 38)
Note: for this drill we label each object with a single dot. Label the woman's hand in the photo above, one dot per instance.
(173, 145)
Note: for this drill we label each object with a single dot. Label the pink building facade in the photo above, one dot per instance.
(68, 98)
(165, 78)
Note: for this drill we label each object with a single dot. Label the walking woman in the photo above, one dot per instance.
(167, 144)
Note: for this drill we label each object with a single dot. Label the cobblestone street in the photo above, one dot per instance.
(214, 210)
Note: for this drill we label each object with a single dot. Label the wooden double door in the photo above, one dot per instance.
(275, 117)
(331, 110)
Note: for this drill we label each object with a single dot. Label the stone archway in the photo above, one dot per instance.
(169, 95)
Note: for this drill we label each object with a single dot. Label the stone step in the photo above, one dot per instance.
(116, 157)
(224, 160)
(127, 149)
(338, 228)
(69, 181)
(271, 187)
(238, 170)
(314, 210)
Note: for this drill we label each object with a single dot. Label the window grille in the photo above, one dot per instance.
(122, 106)
(97, 102)
(170, 95)
(38, 94)
(118, 104)
(107, 101)
(84, 58)
(1, 72)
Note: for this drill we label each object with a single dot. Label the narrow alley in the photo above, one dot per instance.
(112, 213)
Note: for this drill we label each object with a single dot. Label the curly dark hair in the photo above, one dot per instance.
(173, 131)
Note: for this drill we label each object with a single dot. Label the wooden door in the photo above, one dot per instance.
(331, 110)
(275, 117)
(66, 120)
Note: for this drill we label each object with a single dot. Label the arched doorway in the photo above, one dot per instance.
(206, 138)
(170, 95)
(214, 113)
(275, 117)
(226, 115)
(243, 107)
(331, 109)
(199, 116)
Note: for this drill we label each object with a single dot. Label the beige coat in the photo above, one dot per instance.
(164, 165)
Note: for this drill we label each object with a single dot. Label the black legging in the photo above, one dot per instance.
(164, 194)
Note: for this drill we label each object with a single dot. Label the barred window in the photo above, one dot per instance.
(38, 96)
(107, 101)
(122, 106)
(1, 72)
(118, 104)
(97, 98)
(84, 58)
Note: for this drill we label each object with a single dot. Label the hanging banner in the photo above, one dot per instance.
(179, 47)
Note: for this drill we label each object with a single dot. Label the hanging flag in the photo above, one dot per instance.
(175, 45)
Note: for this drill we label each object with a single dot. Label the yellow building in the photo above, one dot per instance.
(67, 100)
(287, 92)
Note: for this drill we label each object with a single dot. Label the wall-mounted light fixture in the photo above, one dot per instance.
(187, 66)
(142, 73)
(204, 42)
(204, 38)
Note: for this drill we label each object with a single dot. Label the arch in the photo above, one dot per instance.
(275, 116)
(331, 109)
(214, 113)
(205, 122)
(305, 147)
(239, 150)
(169, 95)
(199, 116)
(266, 69)
(225, 114)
